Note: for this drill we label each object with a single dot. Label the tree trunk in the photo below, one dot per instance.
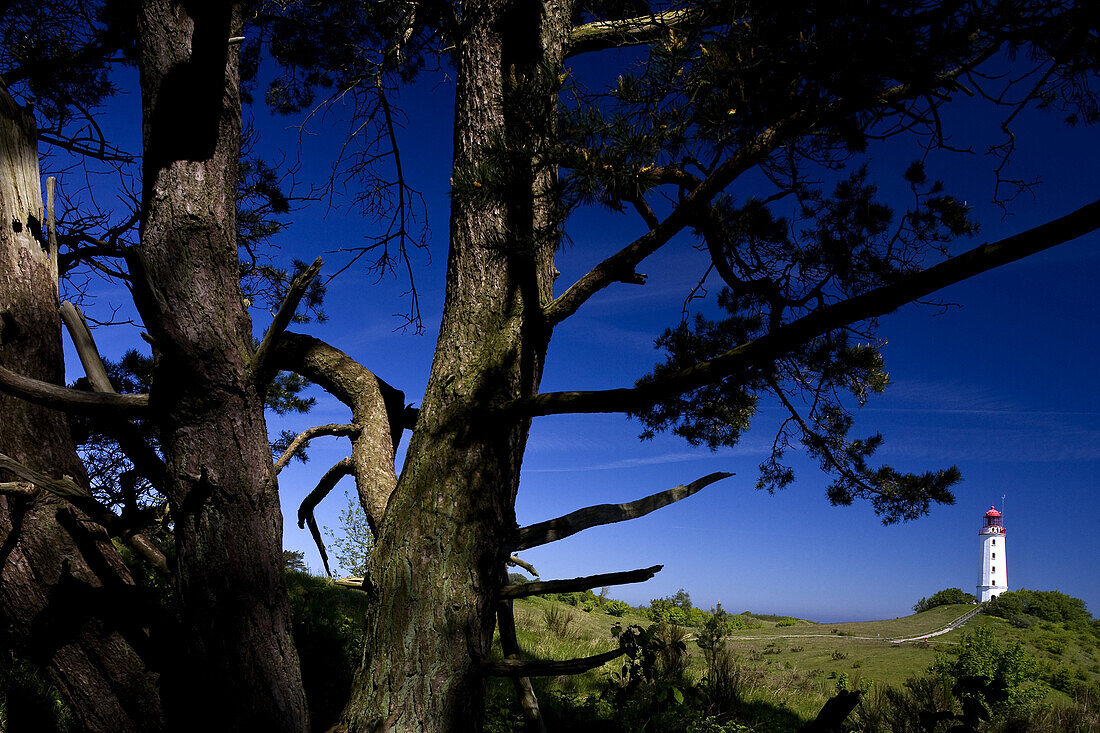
(63, 586)
(239, 670)
(442, 545)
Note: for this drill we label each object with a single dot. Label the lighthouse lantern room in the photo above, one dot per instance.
(994, 578)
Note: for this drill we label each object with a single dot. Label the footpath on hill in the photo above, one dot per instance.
(949, 626)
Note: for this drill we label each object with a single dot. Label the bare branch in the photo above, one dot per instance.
(78, 496)
(605, 34)
(72, 400)
(21, 488)
(523, 590)
(302, 438)
(515, 561)
(547, 667)
(324, 486)
(85, 347)
(784, 339)
(64, 486)
(353, 583)
(561, 527)
(262, 369)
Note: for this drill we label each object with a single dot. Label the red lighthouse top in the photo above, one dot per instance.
(993, 523)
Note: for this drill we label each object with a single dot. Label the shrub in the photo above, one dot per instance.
(617, 609)
(945, 597)
(837, 655)
(714, 628)
(987, 677)
(1048, 605)
(786, 622)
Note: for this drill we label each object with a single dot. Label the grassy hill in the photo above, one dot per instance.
(796, 667)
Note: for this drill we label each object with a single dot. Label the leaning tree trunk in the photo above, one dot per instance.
(440, 554)
(63, 587)
(240, 670)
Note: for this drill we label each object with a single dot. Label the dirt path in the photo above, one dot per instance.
(950, 626)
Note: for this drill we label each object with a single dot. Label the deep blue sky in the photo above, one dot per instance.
(1003, 385)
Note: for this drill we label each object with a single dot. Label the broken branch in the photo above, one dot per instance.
(262, 369)
(523, 590)
(305, 511)
(72, 492)
(307, 435)
(561, 527)
(547, 667)
(85, 347)
(606, 34)
(515, 561)
(72, 400)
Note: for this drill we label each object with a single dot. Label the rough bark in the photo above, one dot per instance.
(238, 668)
(63, 587)
(442, 543)
(376, 410)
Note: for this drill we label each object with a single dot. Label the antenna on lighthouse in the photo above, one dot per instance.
(1002, 503)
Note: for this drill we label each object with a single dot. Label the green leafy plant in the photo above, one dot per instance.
(945, 597)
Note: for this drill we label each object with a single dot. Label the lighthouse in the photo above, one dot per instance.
(994, 579)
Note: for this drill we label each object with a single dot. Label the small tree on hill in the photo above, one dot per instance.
(990, 680)
(354, 542)
(945, 597)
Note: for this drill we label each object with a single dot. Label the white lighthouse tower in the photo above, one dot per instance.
(994, 580)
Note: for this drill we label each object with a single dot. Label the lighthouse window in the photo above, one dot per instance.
(994, 541)
(993, 570)
(994, 556)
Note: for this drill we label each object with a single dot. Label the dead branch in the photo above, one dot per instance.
(305, 511)
(353, 583)
(561, 527)
(515, 561)
(79, 497)
(644, 29)
(261, 368)
(547, 667)
(129, 438)
(64, 486)
(86, 349)
(72, 400)
(302, 438)
(523, 590)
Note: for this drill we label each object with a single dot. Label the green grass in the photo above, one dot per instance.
(800, 672)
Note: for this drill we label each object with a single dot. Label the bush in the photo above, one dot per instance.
(786, 622)
(945, 597)
(988, 678)
(617, 609)
(714, 628)
(1048, 605)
